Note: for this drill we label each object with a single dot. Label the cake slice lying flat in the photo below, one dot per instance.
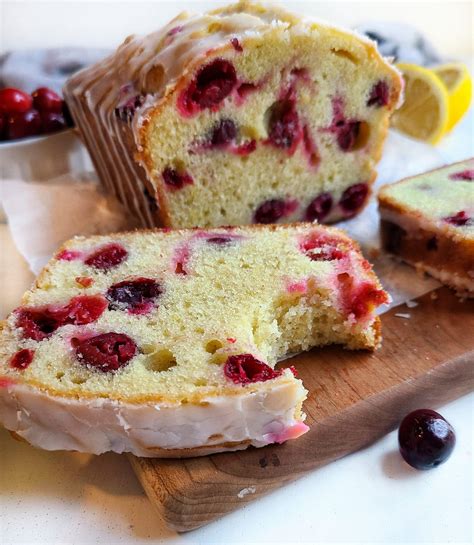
(164, 343)
(247, 114)
(428, 220)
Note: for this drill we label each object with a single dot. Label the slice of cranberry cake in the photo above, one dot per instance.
(165, 343)
(247, 114)
(428, 220)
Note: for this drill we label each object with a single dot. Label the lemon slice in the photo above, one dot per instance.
(458, 82)
(425, 111)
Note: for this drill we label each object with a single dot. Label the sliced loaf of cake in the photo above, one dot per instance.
(428, 221)
(165, 343)
(247, 114)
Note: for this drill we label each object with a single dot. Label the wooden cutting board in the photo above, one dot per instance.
(354, 398)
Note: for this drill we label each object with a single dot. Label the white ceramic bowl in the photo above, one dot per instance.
(41, 158)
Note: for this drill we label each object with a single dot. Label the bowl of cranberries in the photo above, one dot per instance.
(25, 116)
(37, 139)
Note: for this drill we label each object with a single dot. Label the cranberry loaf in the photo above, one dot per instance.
(247, 114)
(428, 220)
(165, 343)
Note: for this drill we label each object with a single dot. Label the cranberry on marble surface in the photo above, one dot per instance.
(14, 101)
(22, 359)
(137, 295)
(23, 124)
(46, 100)
(175, 180)
(245, 369)
(319, 207)
(426, 439)
(107, 257)
(106, 352)
(379, 94)
(212, 84)
(354, 198)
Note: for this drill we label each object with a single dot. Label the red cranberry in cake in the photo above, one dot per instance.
(319, 247)
(41, 322)
(14, 101)
(379, 95)
(236, 96)
(223, 133)
(284, 129)
(273, 210)
(106, 352)
(319, 207)
(23, 124)
(465, 175)
(459, 219)
(212, 84)
(107, 257)
(22, 358)
(176, 180)
(69, 255)
(137, 296)
(46, 100)
(427, 220)
(354, 198)
(245, 368)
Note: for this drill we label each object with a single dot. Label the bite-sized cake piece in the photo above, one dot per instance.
(165, 343)
(247, 114)
(428, 220)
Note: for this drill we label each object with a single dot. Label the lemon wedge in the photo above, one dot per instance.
(424, 114)
(458, 82)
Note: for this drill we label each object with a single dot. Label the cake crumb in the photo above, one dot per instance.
(405, 315)
(411, 304)
(245, 491)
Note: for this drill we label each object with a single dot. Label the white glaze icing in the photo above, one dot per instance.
(100, 425)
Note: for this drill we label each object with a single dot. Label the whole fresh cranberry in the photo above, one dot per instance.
(46, 100)
(353, 198)
(107, 257)
(106, 352)
(3, 126)
(319, 207)
(245, 368)
(136, 295)
(52, 122)
(426, 439)
(22, 359)
(23, 124)
(14, 101)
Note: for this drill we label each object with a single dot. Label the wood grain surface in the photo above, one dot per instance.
(354, 398)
